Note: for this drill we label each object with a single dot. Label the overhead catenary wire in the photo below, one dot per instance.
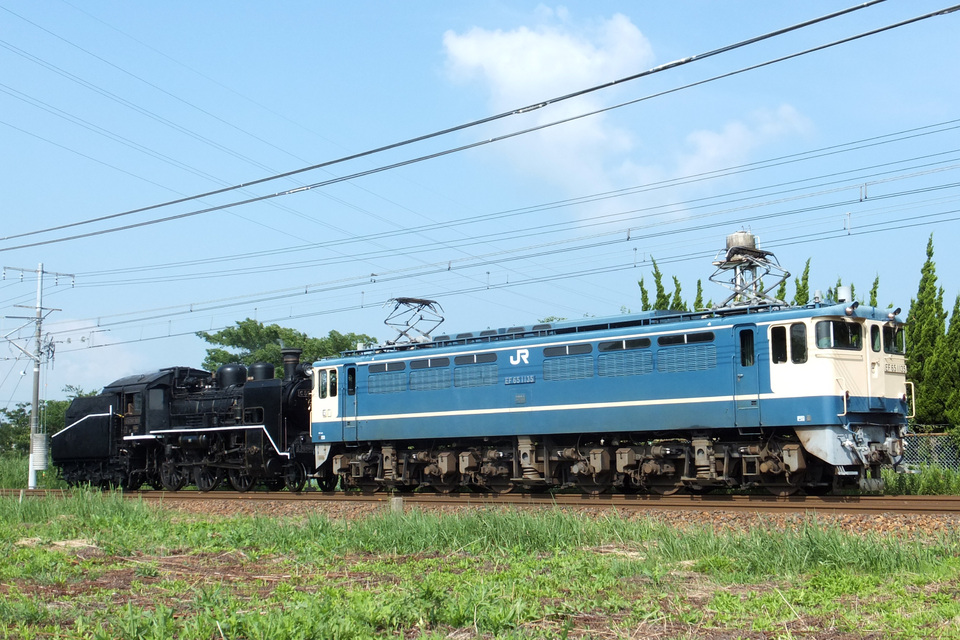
(524, 253)
(453, 150)
(690, 204)
(665, 261)
(543, 229)
(816, 237)
(513, 112)
(500, 215)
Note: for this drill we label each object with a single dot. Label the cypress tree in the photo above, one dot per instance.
(662, 301)
(925, 328)
(644, 296)
(802, 283)
(782, 292)
(677, 303)
(698, 301)
(874, 290)
(941, 374)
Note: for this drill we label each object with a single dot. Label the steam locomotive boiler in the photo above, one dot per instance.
(181, 425)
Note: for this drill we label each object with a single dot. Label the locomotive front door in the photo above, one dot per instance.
(746, 386)
(349, 400)
(327, 424)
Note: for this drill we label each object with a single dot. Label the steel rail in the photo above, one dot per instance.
(851, 504)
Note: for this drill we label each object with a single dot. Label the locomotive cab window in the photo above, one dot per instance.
(253, 415)
(837, 334)
(790, 346)
(893, 340)
(322, 384)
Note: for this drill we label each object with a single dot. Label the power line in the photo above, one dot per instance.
(817, 237)
(461, 127)
(477, 238)
(499, 258)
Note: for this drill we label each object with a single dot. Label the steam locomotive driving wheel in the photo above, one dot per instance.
(207, 478)
(294, 476)
(172, 477)
(241, 480)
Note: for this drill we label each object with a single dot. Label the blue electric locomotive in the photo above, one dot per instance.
(786, 398)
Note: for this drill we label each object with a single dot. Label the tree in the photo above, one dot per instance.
(942, 373)
(677, 303)
(925, 328)
(257, 342)
(698, 301)
(644, 296)
(782, 291)
(15, 429)
(15, 423)
(662, 301)
(802, 295)
(874, 290)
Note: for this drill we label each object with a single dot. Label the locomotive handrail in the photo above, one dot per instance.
(844, 395)
(89, 415)
(913, 399)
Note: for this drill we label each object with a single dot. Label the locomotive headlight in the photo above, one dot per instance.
(853, 307)
(893, 314)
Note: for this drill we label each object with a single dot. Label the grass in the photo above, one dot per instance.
(927, 480)
(94, 565)
(14, 469)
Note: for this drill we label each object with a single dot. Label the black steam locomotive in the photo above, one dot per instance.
(181, 425)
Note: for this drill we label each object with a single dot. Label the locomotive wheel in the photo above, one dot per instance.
(240, 480)
(172, 478)
(665, 489)
(780, 486)
(207, 478)
(294, 476)
(366, 485)
(447, 486)
(327, 483)
(594, 486)
(496, 484)
(130, 483)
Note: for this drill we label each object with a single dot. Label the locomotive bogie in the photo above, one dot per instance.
(779, 464)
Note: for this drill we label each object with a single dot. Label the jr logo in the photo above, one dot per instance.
(522, 356)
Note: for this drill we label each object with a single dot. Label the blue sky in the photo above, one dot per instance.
(848, 156)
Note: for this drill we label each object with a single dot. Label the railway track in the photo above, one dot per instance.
(863, 505)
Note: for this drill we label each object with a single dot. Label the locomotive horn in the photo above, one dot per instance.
(291, 358)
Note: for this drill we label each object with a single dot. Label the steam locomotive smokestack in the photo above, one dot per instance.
(291, 358)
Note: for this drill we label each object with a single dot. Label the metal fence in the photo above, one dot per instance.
(932, 449)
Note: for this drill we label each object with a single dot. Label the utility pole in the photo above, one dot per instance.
(39, 445)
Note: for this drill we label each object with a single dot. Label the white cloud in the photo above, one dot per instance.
(529, 64)
(735, 143)
(558, 55)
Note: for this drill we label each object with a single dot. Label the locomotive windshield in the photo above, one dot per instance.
(837, 334)
(893, 340)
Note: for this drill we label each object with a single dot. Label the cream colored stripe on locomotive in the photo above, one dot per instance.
(569, 407)
(558, 407)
